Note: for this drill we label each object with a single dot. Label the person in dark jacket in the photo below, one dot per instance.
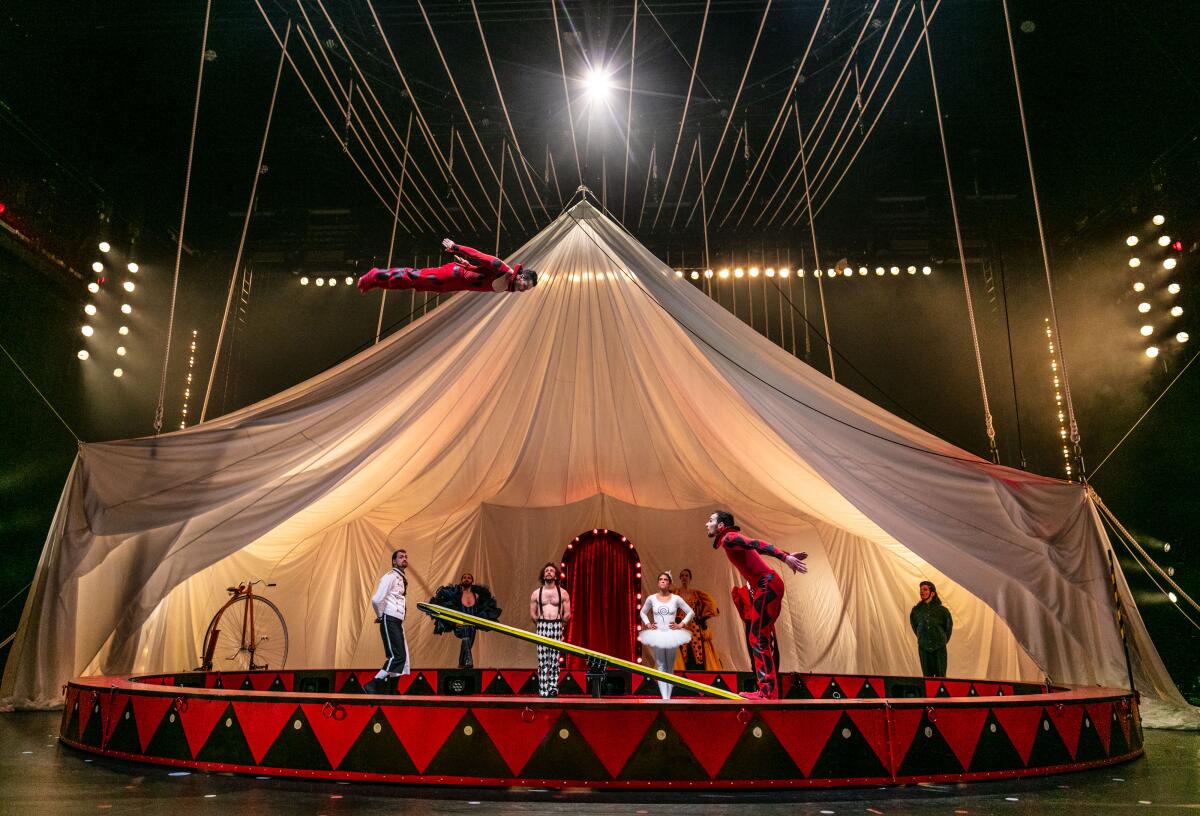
(471, 598)
(932, 623)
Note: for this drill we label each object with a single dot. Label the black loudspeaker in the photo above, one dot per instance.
(614, 684)
(459, 682)
(903, 687)
(313, 684)
(746, 682)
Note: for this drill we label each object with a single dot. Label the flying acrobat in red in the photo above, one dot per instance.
(470, 271)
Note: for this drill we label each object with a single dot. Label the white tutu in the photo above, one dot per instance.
(664, 638)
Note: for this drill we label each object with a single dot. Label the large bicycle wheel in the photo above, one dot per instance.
(248, 642)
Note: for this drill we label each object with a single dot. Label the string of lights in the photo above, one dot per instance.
(846, 271)
(187, 385)
(99, 302)
(1155, 285)
(1058, 402)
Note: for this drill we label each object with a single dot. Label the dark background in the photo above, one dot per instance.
(95, 116)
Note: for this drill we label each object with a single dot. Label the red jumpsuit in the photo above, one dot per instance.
(476, 275)
(767, 599)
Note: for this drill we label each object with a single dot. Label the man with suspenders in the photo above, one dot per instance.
(550, 609)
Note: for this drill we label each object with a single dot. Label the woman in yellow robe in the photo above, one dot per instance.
(699, 654)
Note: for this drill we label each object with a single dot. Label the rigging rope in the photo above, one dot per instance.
(392, 240)
(33, 385)
(1037, 209)
(812, 228)
(187, 186)
(566, 90)
(629, 110)
(237, 261)
(962, 255)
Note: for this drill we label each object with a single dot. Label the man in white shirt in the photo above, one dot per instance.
(389, 605)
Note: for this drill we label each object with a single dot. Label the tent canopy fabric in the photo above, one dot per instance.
(486, 435)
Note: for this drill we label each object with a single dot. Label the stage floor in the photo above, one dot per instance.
(40, 776)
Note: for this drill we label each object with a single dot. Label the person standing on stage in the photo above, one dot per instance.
(664, 634)
(932, 623)
(472, 599)
(698, 654)
(766, 592)
(389, 605)
(550, 609)
(470, 271)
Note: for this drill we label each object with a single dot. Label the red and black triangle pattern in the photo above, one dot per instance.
(476, 741)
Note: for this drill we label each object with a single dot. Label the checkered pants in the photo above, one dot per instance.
(548, 658)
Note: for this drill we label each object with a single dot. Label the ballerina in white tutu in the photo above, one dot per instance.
(664, 635)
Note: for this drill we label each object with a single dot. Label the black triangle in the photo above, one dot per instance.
(351, 685)
(567, 685)
(666, 758)
(929, 753)
(246, 684)
(758, 757)
(1135, 721)
(472, 754)
(1048, 746)
(378, 750)
(124, 736)
(1118, 745)
(420, 686)
(994, 751)
(564, 758)
(296, 747)
(719, 682)
(833, 691)
(277, 684)
(942, 691)
(531, 685)
(647, 688)
(92, 732)
(226, 743)
(799, 689)
(867, 692)
(1090, 747)
(169, 740)
(69, 727)
(498, 686)
(847, 754)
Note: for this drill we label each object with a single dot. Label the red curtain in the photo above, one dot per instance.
(601, 570)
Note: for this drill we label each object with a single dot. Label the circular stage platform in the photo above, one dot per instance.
(487, 727)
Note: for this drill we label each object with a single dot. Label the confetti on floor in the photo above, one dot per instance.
(1011, 799)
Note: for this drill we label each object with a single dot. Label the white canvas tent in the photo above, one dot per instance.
(488, 434)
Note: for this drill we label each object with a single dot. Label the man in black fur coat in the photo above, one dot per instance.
(468, 597)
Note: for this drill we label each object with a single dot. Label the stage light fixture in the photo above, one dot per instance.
(104, 246)
(124, 330)
(1138, 286)
(848, 272)
(679, 273)
(724, 273)
(304, 281)
(879, 270)
(133, 268)
(1134, 263)
(862, 270)
(90, 309)
(1176, 311)
(1182, 337)
(83, 354)
(1169, 263)
(332, 281)
(128, 286)
(320, 281)
(925, 270)
(783, 273)
(1173, 288)
(93, 287)
(818, 273)
(1172, 597)
(1164, 240)
(1146, 330)
(1131, 240)
(912, 270)
(117, 372)
(120, 351)
(754, 271)
(349, 281)
(1159, 220)
(1143, 307)
(598, 84)
(1152, 352)
(126, 308)
(799, 273)
(770, 273)
(895, 270)
(708, 273)
(86, 330)
(97, 267)
(695, 275)
(739, 273)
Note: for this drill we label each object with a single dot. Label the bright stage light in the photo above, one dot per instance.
(104, 246)
(848, 272)
(1182, 337)
(724, 273)
(1134, 263)
(132, 267)
(754, 271)
(1176, 311)
(912, 270)
(349, 281)
(598, 84)
(1172, 597)
(124, 330)
(770, 273)
(1169, 263)
(925, 270)
(739, 273)
(120, 351)
(97, 267)
(1131, 240)
(679, 273)
(90, 309)
(783, 273)
(1164, 240)
(1143, 307)
(1147, 331)
(128, 286)
(93, 287)
(695, 275)
(86, 330)
(1138, 286)
(1173, 288)
(879, 270)
(304, 281)
(708, 273)
(895, 270)
(83, 354)
(799, 273)
(1152, 352)
(1159, 220)
(320, 281)
(126, 308)
(332, 281)
(818, 273)
(117, 372)
(862, 270)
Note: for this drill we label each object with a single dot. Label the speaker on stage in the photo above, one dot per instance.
(903, 687)
(458, 682)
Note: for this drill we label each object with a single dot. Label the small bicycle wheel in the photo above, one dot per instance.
(251, 636)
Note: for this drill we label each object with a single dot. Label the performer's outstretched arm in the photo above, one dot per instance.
(795, 561)
(485, 262)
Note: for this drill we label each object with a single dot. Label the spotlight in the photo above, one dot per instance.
(133, 268)
(1182, 337)
(126, 308)
(912, 270)
(848, 272)
(1147, 331)
(304, 281)
(879, 270)
(818, 273)
(708, 273)
(93, 287)
(799, 273)
(1134, 263)
(117, 372)
(1169, 263)
(770, 273)
(1173, 288)
(925, 270)
(695, 275)
(83, 354)
(597, 84)
(1159, 220)
(128, 286)
(87, 330)
(349, 281)
(90, 309)
(124, 330)
(1143, 307)
(754, 271)
(1176, 311)
(783, 273)
(724, 273)
(739, 273)
(97, 267)
(1172, 597)
(120, 351)
(320, 281)
(895, 270)
(332, 281)
(862, 270)
(1152, 352)
(1131, 240)
(104, 246)
(1164, 240)
(679, 273)
(1138, 286)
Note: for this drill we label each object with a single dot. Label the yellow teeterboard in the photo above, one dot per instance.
(492, 626)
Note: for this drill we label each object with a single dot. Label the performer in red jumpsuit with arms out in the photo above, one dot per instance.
(470, 271)
(766, 593)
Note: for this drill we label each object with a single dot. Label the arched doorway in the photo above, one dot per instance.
(603, 572)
